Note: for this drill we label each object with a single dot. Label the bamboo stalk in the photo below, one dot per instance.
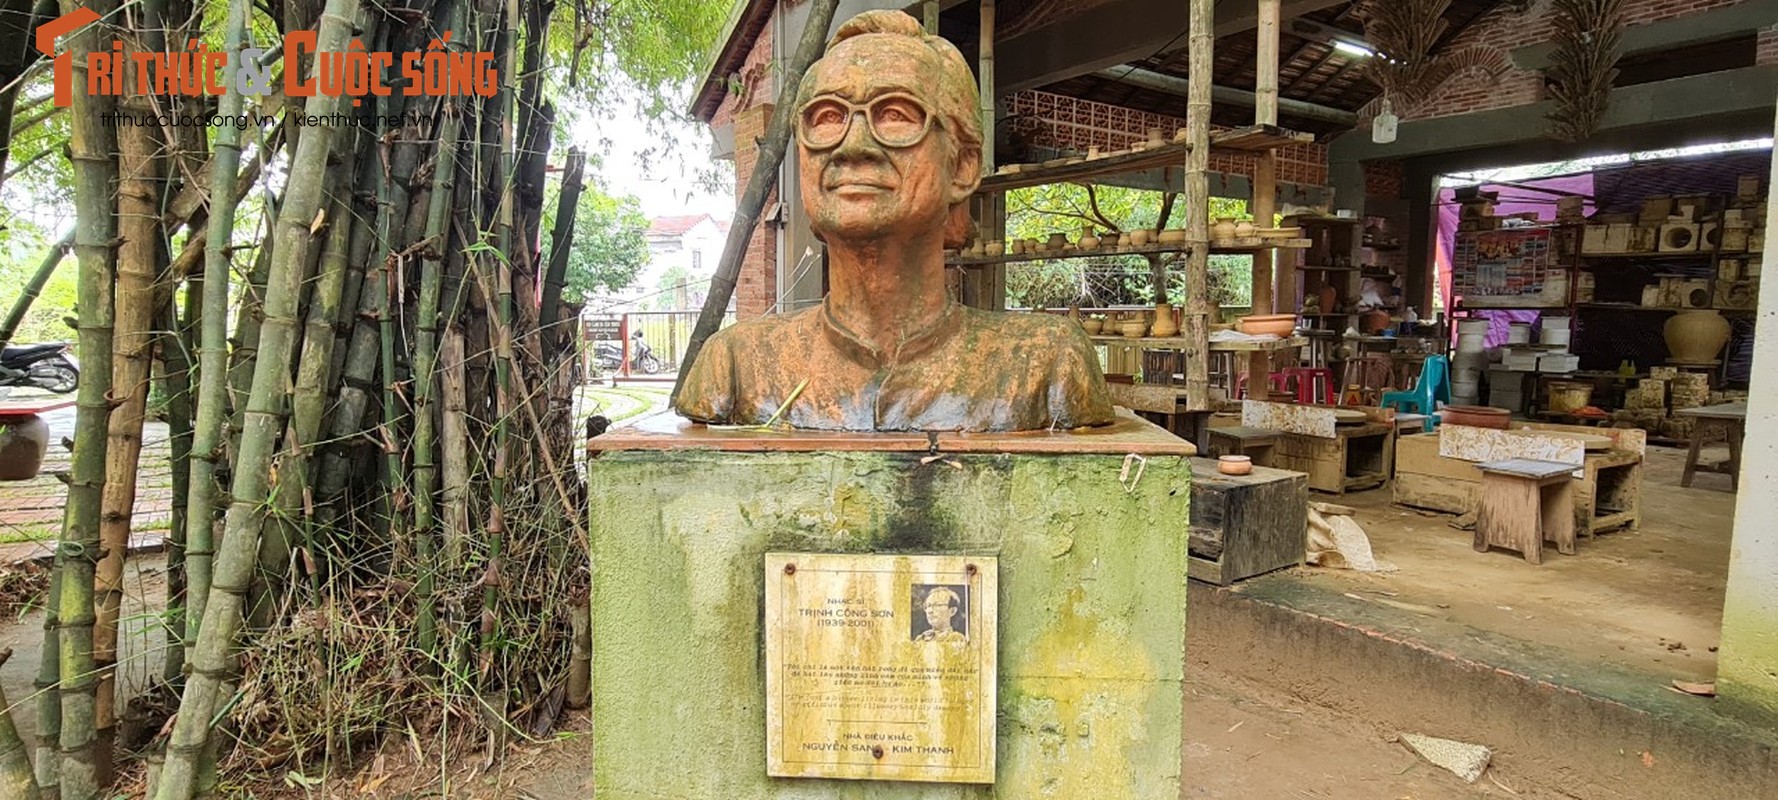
(91, 145)
(207, 432)
(252, 487)
(16, 780)
(179, 331)
(425, 373)
(561, 241)
(454, 425)
(1265, 66)
(760, 183)
(140, 262)
(1197, 200)
(34, 287)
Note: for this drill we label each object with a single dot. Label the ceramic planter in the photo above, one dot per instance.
(1280, 325)
(1223, 229)
(22, 445)
(1235, 465)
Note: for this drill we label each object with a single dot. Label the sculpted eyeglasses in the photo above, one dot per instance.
(894, 120)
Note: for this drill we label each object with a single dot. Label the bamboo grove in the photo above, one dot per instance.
(377, 523)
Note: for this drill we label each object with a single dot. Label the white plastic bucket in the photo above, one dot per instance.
(1557, 337)
(1519, 333)
(1554, 323)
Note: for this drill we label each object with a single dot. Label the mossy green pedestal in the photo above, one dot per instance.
(1092, 552)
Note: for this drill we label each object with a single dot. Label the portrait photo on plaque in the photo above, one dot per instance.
(940, 613)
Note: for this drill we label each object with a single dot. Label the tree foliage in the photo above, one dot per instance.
(609, 247)
(1111, 280)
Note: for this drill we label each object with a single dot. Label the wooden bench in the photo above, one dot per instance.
(1524, 502)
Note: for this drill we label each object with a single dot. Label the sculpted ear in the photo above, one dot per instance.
(966, 174)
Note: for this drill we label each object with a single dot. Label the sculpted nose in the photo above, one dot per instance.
(859, 144)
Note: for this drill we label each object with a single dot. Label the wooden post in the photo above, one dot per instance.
(1265, 66)
(1197, 202)
(988, 282)
(1265, 202)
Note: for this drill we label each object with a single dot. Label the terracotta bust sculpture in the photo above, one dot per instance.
(889, 148)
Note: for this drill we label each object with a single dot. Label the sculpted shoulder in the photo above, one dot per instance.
(763, 331)
(1035, 329)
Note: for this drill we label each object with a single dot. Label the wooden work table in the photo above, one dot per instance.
(1733, 416)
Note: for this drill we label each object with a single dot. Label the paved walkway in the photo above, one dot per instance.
(31, 511)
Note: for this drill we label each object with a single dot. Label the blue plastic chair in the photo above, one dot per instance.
(1433, 387)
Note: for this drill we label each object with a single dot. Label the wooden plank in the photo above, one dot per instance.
(1632, 439)
(1322, 459)
(1250, 139)
(1259, 520)
(1317, 421)
(1419, 455)
(1486, 444)
(1250, 245)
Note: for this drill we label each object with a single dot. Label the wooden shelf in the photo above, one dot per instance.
(1251, 139)
(1313, 268)
(1181, 343)
(1226, 247)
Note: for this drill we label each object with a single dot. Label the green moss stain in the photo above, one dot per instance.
(1092, 597)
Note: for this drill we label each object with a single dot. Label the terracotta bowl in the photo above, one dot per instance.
(1133, 330)
(1280, 325)
(1478, 416)
(1234, 465)
(1092, 326)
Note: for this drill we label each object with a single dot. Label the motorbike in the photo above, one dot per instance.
(609, 356)
(44, 366)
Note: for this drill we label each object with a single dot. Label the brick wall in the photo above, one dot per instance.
(1383, 178)
(1483, 77)
(756, 79)
(1067, 123)
(756, 288)
(1768, 45)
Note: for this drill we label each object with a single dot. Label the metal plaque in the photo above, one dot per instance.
(880, 667)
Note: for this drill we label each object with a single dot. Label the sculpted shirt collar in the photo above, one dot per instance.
(921, 342)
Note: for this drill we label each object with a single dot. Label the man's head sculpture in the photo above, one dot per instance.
(888, 132)
(889, 150)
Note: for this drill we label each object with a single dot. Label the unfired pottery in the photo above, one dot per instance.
(1223, 229)
(1245, 230)
(1164, 324)
(1234, 465)
(1280, 325)
(1696, 336)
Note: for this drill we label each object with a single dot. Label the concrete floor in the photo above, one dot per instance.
(1649, 601)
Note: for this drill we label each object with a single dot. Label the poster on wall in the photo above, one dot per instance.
(1489, 267)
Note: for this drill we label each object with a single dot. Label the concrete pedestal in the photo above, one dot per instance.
(1092, 551)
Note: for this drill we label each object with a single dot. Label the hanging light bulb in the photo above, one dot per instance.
(1383, 126)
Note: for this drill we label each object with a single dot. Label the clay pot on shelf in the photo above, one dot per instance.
(1478, 416)
(1058, 241)
(1696, 336)
(1164, 323)
(1235, 465)
(996, 248)
(1092, 325)
(1140, 237)
(1089, 239)
(1173, 236)
(1133, 329)
(1374, 322)
(1224, 229)
(1280, 325)
(1156, 137)
(1245, 230)
(1329, 298)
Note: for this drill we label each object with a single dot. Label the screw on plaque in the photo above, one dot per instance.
(969, 568)
(877, 751)
(790, 569)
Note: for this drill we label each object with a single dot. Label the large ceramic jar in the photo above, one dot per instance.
(1696, 336)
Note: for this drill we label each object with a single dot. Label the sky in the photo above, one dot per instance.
(666, 184)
